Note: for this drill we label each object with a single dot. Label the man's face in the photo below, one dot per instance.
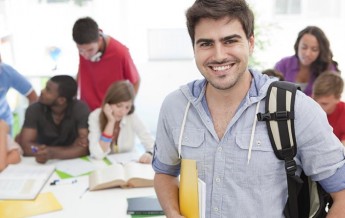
(328, 103)
(49, 94)
(88, 50)
(222, 51)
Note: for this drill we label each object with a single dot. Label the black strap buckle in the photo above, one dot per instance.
(281, 115)
(278, 116)
(290, 167)
(263, 117)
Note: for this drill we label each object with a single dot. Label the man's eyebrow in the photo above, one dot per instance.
(234, 36)
(204, 41)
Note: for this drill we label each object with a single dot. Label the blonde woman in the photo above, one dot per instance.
(113, 127)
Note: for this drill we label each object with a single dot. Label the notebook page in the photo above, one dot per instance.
(23, 182)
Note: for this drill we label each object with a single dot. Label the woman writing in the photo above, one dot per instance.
(312, 57)
(113, 127)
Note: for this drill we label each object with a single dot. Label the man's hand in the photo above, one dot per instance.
(83, 141)
(43, 154)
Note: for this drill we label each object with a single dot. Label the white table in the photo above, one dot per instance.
(77, 203)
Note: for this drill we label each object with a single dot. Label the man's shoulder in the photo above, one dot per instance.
(36, 111)
(7, 72)
(37, 106)
(115, 44)
(79, 105)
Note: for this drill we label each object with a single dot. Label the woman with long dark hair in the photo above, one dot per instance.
(312, 56)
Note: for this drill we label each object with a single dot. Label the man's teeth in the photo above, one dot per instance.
(220, 68)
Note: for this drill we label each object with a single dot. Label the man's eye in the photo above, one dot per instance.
(230, 41)
(205, 44)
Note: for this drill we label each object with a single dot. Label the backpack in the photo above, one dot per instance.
(306, 198)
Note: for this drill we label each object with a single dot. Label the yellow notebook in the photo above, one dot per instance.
(188, 191)
(44, 203)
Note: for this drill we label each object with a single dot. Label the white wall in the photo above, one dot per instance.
(35, 27)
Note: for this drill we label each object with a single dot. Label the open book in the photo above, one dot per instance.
(23, 182)
(129, 175)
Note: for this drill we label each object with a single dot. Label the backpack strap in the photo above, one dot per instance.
(279, 117)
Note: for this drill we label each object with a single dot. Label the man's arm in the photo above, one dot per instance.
(78, 148)
(136, 86)
(166, 187)
(26, 139)
(6, 157)
(338, 207)
(3, 144)
(32, 97)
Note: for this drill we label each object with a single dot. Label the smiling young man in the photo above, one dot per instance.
(214, 121)
(56, 126)
(102, 61)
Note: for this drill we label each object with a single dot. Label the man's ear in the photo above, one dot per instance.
(61, 100)
(251, 44)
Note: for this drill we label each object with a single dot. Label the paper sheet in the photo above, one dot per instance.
(124, 158)
(23, 182)
(75, 167)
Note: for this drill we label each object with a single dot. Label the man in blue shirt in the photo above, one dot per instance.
(10, 78)
(213, 121)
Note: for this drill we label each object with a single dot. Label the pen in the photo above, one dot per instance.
(84, 192)
(63, 182)
(34, 149)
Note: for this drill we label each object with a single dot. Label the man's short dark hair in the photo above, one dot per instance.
(217, 9)
(85, 31)
(67, 86)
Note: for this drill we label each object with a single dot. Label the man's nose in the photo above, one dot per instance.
(219, 52)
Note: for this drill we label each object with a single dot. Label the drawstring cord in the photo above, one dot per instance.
(182, 129)
(252, 134)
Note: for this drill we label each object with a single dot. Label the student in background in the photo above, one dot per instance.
(56, 126)
(215, 121)
(113, 127)
(10, 78)
(327, 91)
(10, 151)
(274, 73)
(312, 57)
(102, 61)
